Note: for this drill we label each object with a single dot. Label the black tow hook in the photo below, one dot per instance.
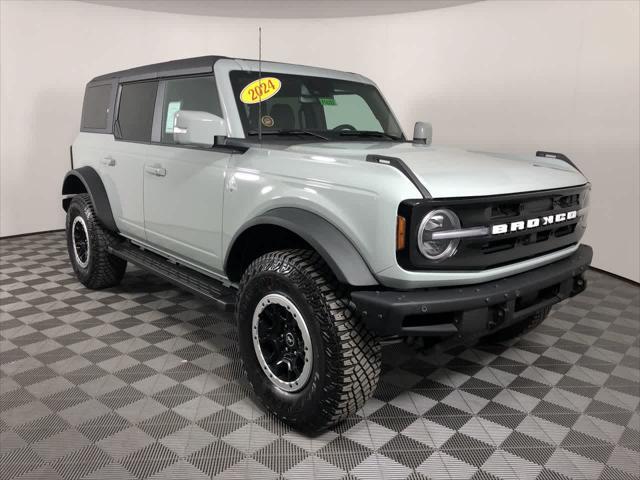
(497, 319)
(579, 285)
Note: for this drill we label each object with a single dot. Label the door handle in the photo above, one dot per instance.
(108, 161)
(155, 170)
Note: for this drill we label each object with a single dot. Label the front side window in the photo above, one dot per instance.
(286, 105)
(193, 93)
(135, 113)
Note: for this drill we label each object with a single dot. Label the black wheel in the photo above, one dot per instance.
(519, 328)
(87, 242)
(308, 358)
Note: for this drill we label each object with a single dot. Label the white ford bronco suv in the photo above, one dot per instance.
(290, 195)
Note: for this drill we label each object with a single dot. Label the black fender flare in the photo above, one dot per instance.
(95, 188)
(331, 244)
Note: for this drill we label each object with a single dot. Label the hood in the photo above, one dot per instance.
(450, 172)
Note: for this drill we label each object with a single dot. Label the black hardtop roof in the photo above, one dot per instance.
(165, 69)
(173, 68)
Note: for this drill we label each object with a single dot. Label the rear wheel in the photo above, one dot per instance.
(88, 242)
(519, 328)
(308, 358)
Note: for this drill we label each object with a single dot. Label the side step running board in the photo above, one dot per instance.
(206, 287)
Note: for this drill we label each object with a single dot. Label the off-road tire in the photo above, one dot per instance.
(518, 329)
(103, 269)
(346, 356)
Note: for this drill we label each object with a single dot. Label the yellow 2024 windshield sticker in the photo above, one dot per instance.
(260, 90)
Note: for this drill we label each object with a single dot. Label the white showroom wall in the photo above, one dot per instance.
(501, 76)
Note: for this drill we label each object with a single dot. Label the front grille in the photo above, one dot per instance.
(525, 239)
(495, 250)
(534, 206)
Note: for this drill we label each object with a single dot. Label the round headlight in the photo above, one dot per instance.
(435, 221)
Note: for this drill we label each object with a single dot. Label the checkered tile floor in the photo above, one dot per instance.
(144, 381)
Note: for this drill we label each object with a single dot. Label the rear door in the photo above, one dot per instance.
(122, 165)
(183, 185)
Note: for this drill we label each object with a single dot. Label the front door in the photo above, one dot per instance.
(184, 186)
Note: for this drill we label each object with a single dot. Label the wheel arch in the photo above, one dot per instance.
(288, 227)
(86, 180)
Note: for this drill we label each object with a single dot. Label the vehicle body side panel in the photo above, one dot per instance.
(122, 180)
(263, 179)
(183, 209)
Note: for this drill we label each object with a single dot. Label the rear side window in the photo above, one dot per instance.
(95, 110)
(195, 93)
(135, 113)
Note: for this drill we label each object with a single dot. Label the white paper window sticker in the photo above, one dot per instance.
(172, 109)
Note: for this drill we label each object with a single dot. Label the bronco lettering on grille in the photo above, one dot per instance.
(533, 222)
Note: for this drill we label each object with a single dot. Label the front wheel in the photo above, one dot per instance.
(308, 357)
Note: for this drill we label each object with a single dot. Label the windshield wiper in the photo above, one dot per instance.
(289, 132)
(368, 133)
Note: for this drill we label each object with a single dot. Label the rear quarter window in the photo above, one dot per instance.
(95, 109)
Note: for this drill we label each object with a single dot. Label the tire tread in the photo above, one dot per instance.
(355, 352)
(106, 270)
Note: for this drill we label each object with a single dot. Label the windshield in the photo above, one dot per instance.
(318, 108)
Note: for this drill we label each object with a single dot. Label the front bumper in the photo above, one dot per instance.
(475, 310)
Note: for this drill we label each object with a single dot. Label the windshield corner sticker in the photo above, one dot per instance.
(267, 121)
(327, 101)
(260, 90)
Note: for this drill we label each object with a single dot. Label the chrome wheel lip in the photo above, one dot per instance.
(79, 222)
(300, 382)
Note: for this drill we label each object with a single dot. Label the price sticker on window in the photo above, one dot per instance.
(172, 109)
(260, 90)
